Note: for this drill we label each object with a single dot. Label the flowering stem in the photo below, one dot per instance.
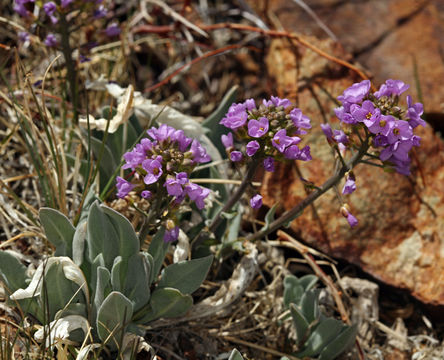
(67, 54)
(153, 214)
(371, 163)
(292, 213)
(235, 197)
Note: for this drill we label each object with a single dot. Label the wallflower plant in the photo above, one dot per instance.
(107, 285)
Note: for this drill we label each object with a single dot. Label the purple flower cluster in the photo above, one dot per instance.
(389, 125)
(268, 133)
(161, 164)
(53, 9)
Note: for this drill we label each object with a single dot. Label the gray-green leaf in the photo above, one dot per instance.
(111, 234)
(12, 272)
(168, 303)
(339, 344)
(186, 276)
(58, 229)
(300, 322)
(321, 336)
(235, 355)
(112, 318)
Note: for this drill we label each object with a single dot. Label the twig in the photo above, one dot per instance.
(192, 62)
(302, 249)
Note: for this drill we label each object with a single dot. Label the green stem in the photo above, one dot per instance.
(70, 66)
(153, 213)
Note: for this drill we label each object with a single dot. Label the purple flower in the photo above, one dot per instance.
(303, 155)
(100, 12)
(349, 186)
(257, 128)
(173, 187)
(367, 113)
(280, 140)
(199, 153)
(171, 234)
(276, 101)
(252, 147)
(236, 117)
(20, 7)
(352, 221)
(179, 137)
(113, 30)
(51, 40)
(269, 164)
(326, 128)
(414, 113)
(250, 104)
(355, 93)
(164, 132)
(146, 194)
(300, 120)
(343, 115)
(391, 87)
(153, 169)
(134, 158)
(182, 178)
(236, 156)
(399, 130)
(197, 194)
(340, 137)
(380, 140)
(123, 187)
(227, 140)
(23, 36)
(256, 201)
(50, 8)
(292, 152)
(382, 125)
(401, 167)
(399, 150)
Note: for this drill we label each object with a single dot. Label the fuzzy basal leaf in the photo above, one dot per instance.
(113, 316)
(12, 271)
(111, 234)
(186, 276)
(58, 229)
(167, 303)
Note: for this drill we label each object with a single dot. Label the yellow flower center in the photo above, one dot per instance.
(396, 131)
(382, 123)
(368, 116)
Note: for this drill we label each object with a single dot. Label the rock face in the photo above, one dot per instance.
(400, 236)
(386, 36)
